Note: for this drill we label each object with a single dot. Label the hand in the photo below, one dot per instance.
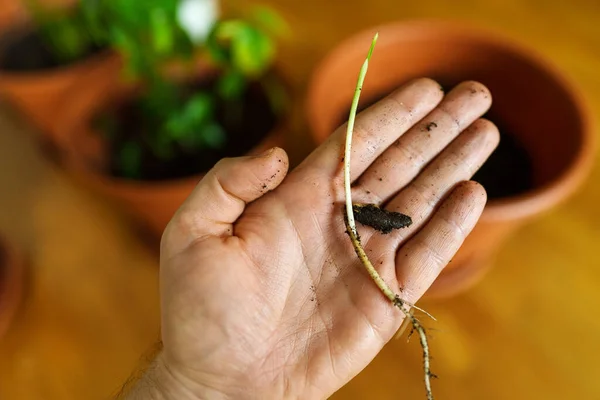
(263, 296)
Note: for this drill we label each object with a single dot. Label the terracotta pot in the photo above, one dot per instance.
(530, 96)
(41, 95)
(10, 10)
(84, 157)
(11, 283)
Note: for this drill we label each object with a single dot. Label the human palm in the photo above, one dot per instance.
(262, 293)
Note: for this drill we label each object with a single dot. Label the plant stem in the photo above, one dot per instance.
(354, 237)
(348, 150)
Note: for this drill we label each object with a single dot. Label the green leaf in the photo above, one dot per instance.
(252, 51)
(229, 30)
(67, 40)
(162, 31)
(92, 18)
(231, 85)
(214, 136)
(174, 129)
(186, 123)
(199, 107)
(217, 51)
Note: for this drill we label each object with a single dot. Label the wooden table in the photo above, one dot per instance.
(529, 331)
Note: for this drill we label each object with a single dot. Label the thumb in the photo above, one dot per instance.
(221, 196)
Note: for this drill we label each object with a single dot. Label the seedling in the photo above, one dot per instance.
(383, 221)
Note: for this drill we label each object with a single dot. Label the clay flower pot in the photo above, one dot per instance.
(10, 10)
(11, 283)
(40, 94)
(532, 101)
(84, 155)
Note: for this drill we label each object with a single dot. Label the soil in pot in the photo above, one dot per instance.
(129, 124)
(507, 172)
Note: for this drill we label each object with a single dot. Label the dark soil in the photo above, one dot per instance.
(508, 171)
(27, 51)
(379, 219)
(131, 124)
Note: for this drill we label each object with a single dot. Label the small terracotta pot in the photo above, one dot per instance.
(530, 96)
(10, 10)
(41, 95)
(83, 155)
(11, 283)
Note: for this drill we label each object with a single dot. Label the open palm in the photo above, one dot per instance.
(262, 294)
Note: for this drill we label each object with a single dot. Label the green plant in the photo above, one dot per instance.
(153, 34)
(383, 221)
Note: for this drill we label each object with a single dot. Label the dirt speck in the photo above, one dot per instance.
(430, 126)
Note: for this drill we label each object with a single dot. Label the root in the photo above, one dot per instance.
(403, 306)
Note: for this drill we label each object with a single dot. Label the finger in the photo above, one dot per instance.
(422, 258)
(457, 163)
(408, 155)
(377, 127)
(221, 196)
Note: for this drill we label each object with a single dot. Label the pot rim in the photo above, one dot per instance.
(518, 207)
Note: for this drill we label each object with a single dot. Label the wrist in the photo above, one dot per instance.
(159, 382)
(175, 386)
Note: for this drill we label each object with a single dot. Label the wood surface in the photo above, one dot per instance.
(530, 330)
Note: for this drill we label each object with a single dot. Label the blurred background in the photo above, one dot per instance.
(111, 111)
